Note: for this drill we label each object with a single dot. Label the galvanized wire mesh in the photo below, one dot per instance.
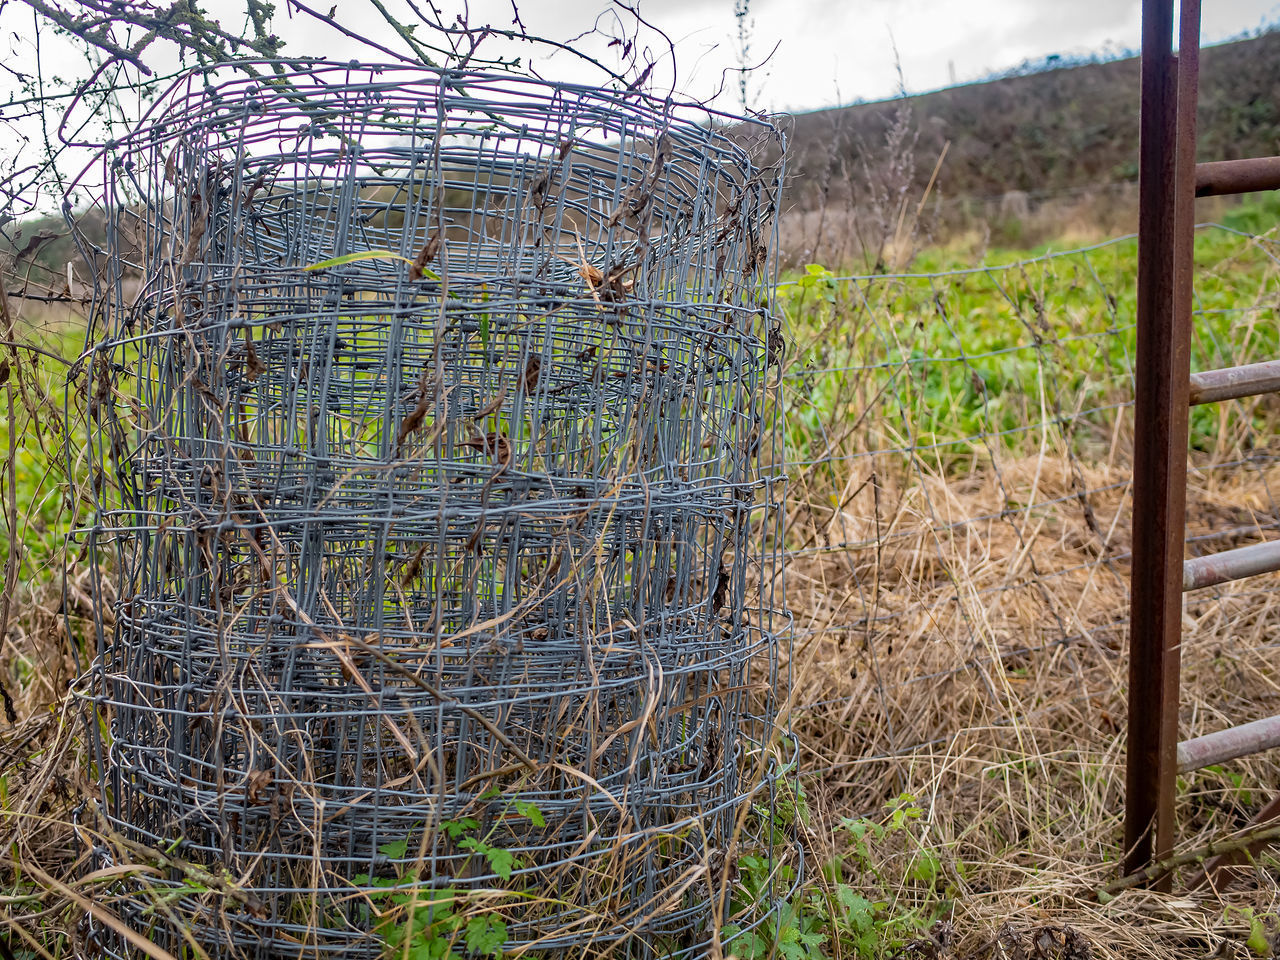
(434, 463)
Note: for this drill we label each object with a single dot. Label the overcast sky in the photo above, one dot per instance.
(832, 51)
(817, 52)
(820, 52)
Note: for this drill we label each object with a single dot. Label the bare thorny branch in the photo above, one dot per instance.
(132, 47)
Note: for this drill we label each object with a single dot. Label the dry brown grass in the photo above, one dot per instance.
(979, 666)
(1022, 773)
(948, 645)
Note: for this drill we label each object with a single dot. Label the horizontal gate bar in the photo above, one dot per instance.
(1222, 177)
(1241, 741)
(1231, 383)
(1231, 565)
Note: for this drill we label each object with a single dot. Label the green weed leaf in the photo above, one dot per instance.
(486, 936)
(354, 257)
(1257, 942)
(456, 828)
(395, 850)
(527, 809)
(501, 861)
(859, 912)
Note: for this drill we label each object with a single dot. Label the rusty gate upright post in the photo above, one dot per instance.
(1165, 236)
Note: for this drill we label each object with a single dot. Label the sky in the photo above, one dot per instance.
(811, 53)
(819, 53)
(825, 52)
(814, 53)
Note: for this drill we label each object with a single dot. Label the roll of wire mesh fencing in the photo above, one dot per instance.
(437, 468)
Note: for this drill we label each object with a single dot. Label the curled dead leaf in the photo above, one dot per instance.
(259, 780)
(414, 567)
(591, 274)
(495, 444)
(532, 373)
(254, 367)
(493, 404)
(425, 256)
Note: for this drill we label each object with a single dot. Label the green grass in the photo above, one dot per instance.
(971, 363)
(33, 398)
(946, 372)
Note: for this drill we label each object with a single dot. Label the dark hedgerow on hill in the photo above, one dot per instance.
(1045, 131)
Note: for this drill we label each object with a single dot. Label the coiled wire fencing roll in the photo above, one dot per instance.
(438, 473)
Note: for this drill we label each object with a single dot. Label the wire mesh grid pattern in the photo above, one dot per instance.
(959, 451)
(435, 462)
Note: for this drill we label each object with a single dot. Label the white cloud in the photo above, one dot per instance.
(824, 51)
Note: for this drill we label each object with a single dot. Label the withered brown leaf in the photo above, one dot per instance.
(495, 444)
(425, 256)
(532, 373)
(259, 780)
(254, 367)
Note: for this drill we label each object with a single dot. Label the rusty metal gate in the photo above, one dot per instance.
(1170, 180)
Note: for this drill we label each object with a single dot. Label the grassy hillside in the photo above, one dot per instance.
(1061, 130)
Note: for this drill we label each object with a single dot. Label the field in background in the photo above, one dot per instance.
(959, 446)
(958, 450)
(1025, 156)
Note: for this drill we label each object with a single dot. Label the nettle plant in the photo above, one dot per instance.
(901, 893)
(420, 921)
(886, 891)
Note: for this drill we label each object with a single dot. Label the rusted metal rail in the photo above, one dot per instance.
(1224, 177)
(1169, 182)
(1232, 383)
(1230, 744)
(1250, 561)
